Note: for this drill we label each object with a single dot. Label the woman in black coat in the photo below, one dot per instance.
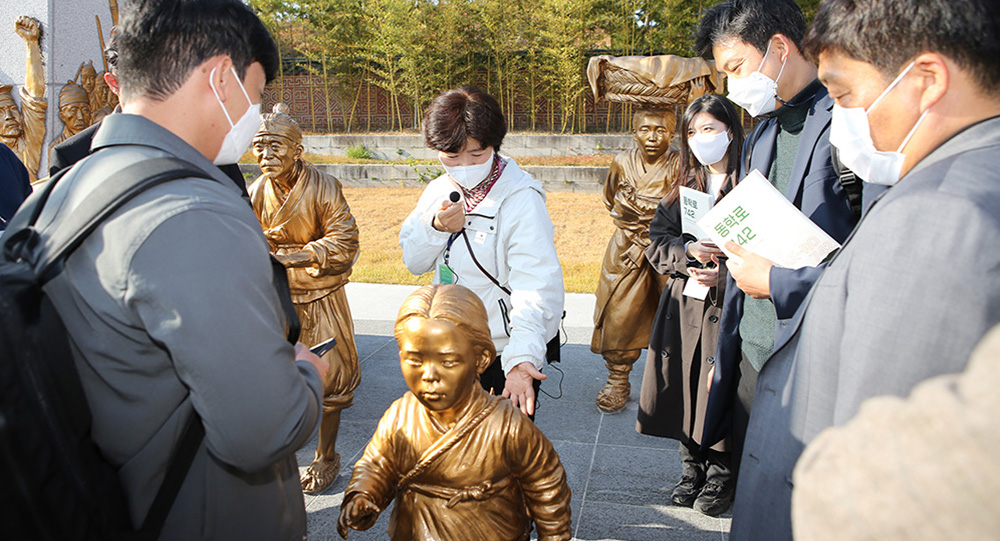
(680, 356)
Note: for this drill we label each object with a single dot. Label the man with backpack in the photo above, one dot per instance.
(161, 328)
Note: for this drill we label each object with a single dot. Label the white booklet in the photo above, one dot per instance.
(757, 216)
(694, 206)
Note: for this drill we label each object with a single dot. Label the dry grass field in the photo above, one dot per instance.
(582, 230)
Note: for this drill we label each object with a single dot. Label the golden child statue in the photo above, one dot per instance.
(629, 289)
(311, 231)
(23, 130)
(460, 463)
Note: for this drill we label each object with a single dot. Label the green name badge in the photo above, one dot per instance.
(446, 275)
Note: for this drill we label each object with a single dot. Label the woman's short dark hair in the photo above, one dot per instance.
(691, 173)
(462, 113)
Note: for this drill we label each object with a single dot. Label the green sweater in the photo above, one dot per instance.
(758, 322)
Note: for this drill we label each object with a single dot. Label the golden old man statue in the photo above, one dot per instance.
(460, 463)
(310, 229)
(74, 112)
(629, 288)
(23, 130)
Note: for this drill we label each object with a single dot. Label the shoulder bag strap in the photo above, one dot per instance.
(481, 269)
(119, 188)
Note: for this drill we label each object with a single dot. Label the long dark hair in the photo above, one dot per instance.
(691, 172)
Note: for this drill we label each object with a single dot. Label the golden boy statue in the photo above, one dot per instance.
(629, 288)
(460, 463)
(24, 130)
(311, 231)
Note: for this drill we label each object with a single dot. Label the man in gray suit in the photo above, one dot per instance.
(918, 283)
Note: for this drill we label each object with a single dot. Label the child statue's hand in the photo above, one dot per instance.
(360, 514)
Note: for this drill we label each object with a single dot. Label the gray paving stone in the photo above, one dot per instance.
(633, 475)
(568, 420)
(619, 429)
(606, 521)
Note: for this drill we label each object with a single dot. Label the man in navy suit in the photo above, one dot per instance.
(756, 44)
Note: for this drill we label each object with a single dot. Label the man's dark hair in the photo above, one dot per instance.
(111, 50)
(752, 21)
(462, 113)
(889, 34)
(162, 41)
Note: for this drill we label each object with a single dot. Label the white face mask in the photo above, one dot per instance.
(851, 133)
(468, 176)
(757, 92)
(709, 148)
(241, 134)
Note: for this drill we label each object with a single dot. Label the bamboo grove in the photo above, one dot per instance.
(521, 51)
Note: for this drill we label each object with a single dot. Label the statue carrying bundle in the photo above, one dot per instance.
(629, 289)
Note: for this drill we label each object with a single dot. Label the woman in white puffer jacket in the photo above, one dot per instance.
(484, 225)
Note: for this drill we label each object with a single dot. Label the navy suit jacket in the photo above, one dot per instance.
(14, 185)
(76, 148)
(814, 188)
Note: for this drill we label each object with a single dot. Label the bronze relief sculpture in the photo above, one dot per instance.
(458, 462)
(23, 129)
(74, 111)
(310, 229)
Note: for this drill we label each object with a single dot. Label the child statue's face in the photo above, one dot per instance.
(438, 363)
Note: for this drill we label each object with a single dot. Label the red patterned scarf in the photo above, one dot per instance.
(475, 195)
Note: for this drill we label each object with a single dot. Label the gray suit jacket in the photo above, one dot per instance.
(161, 327)
(907, 298)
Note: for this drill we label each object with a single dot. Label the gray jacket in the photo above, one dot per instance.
(171, 308)
(906, 299)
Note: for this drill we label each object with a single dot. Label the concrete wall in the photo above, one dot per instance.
(553, 178)
(395, 147)
(69, 37)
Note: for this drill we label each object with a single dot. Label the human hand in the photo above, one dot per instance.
(520, 386)
(360, 514)
(705, 277)
(28, 28)
(708, 382)
(703, 250)
(302, 353)
(751, 271)
(450, 218)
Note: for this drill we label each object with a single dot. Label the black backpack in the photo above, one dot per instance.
(54, 484)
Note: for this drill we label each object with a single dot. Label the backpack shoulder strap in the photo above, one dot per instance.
(118, 189)
(850, 182)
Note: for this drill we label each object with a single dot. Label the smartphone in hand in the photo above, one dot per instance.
(324, 346)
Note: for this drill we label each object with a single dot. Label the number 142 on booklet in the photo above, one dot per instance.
(756, 216)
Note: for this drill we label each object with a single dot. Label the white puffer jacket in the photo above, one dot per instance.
(512, 236)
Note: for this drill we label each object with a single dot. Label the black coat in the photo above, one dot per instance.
(673, 398)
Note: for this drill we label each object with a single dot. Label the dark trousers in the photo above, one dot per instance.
(493, 381)
(705, 465)
(741, 411)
